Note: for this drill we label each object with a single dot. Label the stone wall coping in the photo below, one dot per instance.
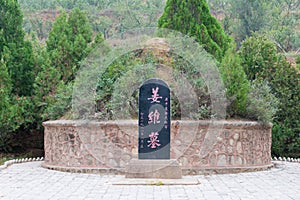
(185, 171)
(76, 123)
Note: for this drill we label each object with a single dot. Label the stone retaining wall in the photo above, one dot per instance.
(199, 146)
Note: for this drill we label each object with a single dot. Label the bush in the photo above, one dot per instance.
(7, 109)
(262, 104)
(285, 142)
(115, 87)
(61, 102)
(236, 83)
(258, 57)
(260, 61)
(298, 60)
(109, 78)
(16, 113)
(298, 63)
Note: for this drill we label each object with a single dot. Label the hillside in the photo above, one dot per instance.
(108, 17)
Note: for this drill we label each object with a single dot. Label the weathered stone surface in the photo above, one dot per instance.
(163, 169)
(221, 160)
(110, 145)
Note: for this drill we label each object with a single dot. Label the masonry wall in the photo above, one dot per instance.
(199, 146)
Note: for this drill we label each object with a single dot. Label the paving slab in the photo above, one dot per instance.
(186, 180)
(29, 181)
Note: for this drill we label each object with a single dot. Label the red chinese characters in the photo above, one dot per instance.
(154, 141)
(155, 96)
(154, 117)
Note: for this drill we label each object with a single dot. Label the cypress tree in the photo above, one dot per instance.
(68, 42)
(235, 81)
(16, 53)
(193, 18)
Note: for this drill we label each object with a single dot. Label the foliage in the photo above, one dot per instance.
(285, 141)
(45, 87)
(286, 86)
(3, 160)
(118, 86)
(106, 83)
(259, 56)
(16, 74)
(193, 18)
(37, 25)
(15, 112)
(54, 65)
(66, 4)
(36, 81)
(279, 19)
(284, 27)
(298, 63)
(14, 50)
(298, 60)
(68, 43)
(262, 104)
(106, 16)
(124, 101)
(252, 16)
(261, 61)
(5, 105)
(61, 102)
(236, 83)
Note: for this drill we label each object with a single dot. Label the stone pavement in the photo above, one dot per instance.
(31, 181)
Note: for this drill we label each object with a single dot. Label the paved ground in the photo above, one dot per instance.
(30, 181)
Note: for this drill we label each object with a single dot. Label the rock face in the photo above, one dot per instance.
(198, 146)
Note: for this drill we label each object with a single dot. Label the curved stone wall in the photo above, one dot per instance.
(199, 146)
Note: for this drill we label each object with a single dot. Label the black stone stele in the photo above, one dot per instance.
(154, 120)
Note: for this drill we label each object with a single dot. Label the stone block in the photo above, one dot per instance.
(162, 169)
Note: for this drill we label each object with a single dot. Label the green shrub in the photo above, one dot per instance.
(285, 141)
(236, 83)
(262, 104)
(298, 59)
(298, 63)
(16, 113)
(124, 102)
(109, 78)
(261, 61)
(114, 92)
(7, 108)
(61, 102)
(258, 57)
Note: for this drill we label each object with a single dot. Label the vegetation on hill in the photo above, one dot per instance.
(42, 50)
(278, 19)
(107, 16)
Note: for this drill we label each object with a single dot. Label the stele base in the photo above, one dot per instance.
(157, 169)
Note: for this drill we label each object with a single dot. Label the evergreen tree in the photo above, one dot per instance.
(236, 83)
(9, 112)
(193, 18)
(252, 17)
(261, 62)
(14, 50)
(58, 46)
(68, 43)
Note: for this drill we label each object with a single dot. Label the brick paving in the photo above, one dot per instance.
(31, 181)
